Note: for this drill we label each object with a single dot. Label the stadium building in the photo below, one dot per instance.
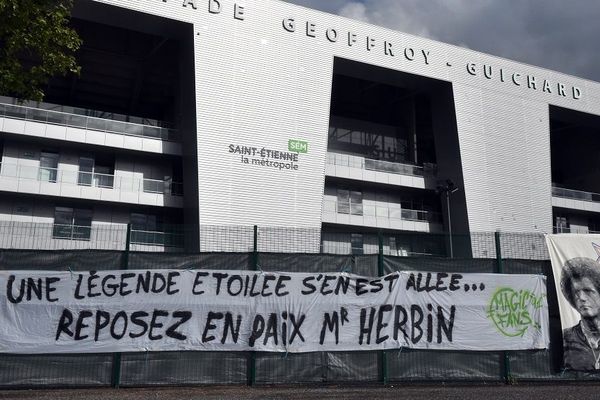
(209, 115)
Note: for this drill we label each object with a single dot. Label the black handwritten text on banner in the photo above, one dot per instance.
(139, 310)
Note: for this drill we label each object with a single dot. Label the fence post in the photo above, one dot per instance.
(251, 375)
(500, 269)
(380, 272)
(255, 250)
(116, 364)
(125, 264)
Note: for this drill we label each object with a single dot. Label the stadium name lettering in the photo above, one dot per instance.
(214, 7)
(524, 80)
(388, 48)
(351, 39)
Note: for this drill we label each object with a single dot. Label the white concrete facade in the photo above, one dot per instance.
(263, 72)
(263, 76)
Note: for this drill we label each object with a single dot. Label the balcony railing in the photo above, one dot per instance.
(379, 165)
(72, 232)
(155, 238)
(396, 213)
(104, 181)
(88, 119)
(144, 237)
(53, 236)
(575, 194)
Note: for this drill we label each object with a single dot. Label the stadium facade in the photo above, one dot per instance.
(225, 113)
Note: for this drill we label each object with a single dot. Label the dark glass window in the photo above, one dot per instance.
(357, 243)
(349, 202)
(72, 223)
(561, 225)
(48, 171)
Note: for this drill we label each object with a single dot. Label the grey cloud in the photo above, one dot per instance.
(555, 34)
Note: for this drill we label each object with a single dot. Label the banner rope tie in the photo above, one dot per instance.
(399, 352)
(147, 355)
(346, 268)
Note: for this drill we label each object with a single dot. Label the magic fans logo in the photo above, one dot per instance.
(512, 311)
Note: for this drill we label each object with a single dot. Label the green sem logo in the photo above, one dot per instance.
(297, 146)
(509, 310)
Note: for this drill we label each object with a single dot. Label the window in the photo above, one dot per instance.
(593, 225)
(357, 243)
(86, 171)
(160, 186)
(144, 229)
(144, 222)
(150, 230)
(356, 206)
(72, 223)
(343, 201)
(22, 210)
(97, 173)
(48, 171)
(561, 225)
(393, 247)
(349, 202)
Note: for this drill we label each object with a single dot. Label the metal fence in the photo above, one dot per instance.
(402, 365)
(100, 235)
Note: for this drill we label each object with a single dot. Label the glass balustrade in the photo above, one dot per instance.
(61, 235)
(72, 232)
(575, 194)
(388, 212)
(88, 119)
(105, 181)
(155, 238)
(345, 160)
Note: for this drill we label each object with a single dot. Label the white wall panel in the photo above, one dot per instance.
(259, 85)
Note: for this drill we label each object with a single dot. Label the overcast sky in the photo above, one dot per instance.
(562, 35)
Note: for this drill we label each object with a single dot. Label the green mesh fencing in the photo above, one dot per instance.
(268, 249)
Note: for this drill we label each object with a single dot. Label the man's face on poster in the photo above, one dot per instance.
(587, 298)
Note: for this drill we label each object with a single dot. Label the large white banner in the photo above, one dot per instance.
(140, 310)
(576, 268)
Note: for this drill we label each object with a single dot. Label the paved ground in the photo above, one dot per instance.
(573, 391)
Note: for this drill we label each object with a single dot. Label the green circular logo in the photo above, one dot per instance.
(510, 311)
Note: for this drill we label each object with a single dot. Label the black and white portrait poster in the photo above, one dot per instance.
(576, 267)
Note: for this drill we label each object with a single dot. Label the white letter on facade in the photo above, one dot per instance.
(487, 71)
(214, 7)
(426, 56)
(331, 35)
(516, 78)
(387, 49)
(471, 69)
(351, 38)
(561, 90)
(370, 43)
(289, 24)
(310, 29)
(191, 3)
(238, 12)
(546, 87)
